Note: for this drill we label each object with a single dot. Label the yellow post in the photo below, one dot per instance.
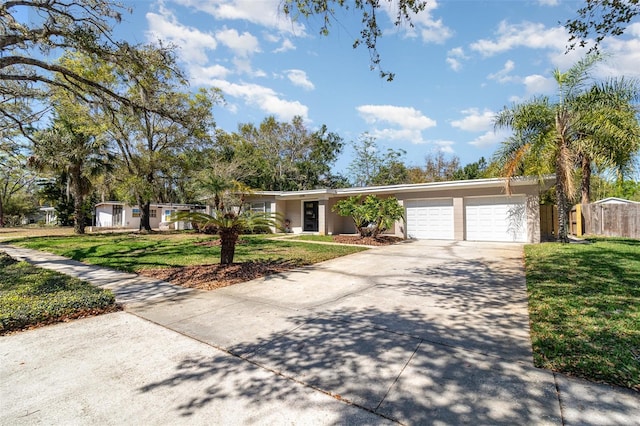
(579, 220)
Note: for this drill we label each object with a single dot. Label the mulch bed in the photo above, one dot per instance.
(210, 277)
(382, 240)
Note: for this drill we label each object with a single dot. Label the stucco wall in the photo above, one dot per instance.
(103, 216)
(293, 212)
(332, 223)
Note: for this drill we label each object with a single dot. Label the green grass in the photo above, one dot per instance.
(30, 296)
(584, 305)
(136, 252)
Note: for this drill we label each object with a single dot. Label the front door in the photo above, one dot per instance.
(116, 216)
(310, 216)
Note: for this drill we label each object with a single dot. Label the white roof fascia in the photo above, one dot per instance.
(545, 182)
(438, 186)
(616, 200)
(294, 195)
(122, 203)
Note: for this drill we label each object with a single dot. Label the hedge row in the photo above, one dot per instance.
(30, 296)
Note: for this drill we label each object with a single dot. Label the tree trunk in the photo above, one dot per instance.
(228, 240)
(1, 213)
(563, 216)
(75, 186)
(80, 216)
(586, 180)
(145, 206)
(561, 198)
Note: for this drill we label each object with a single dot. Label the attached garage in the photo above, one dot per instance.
(474, 210)
(430, 219)
(499, 218)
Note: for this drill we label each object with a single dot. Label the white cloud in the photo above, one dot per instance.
(489, 138)
(435, 32)
(454, 64)
(193, 42)
(405, 117)
(407, 123)
(430, 30)
(525, 34)
(444, 146)
(203, 75)
(242, 44)
(474, 120)
(264, 12)
(412, 135)
(263, 98)
(548, 2)
(625, 54)
(480, 121)
(536, 84)
(503, 76)
(243, 66)
(455, 57)
(285, 46)
(299, 78)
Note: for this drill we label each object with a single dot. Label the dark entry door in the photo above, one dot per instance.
(310, 216)
(116, 216)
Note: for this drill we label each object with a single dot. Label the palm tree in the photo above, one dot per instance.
(219, 182)
(554, 136)
(63, 148)
(609, 130)
(230, 224)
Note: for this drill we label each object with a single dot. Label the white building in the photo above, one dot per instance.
(116, 214)
(50, 215)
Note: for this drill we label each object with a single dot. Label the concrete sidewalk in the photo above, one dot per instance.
(417, 333)
(128, 288)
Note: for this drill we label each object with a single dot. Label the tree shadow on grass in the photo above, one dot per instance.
(584, 310)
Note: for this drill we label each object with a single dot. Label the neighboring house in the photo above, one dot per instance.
(50, 215)
(474, 210)
(615, 200)
(115, 214)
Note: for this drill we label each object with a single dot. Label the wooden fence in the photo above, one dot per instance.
(610, 220)
(548, 222)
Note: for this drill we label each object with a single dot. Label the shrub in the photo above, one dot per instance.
(30, 296)
(372, 216)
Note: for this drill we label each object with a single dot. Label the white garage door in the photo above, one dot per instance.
(430, 219)
(496, 219)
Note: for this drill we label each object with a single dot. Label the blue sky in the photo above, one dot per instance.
(462, 62)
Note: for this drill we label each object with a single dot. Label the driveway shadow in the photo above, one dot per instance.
(407, 379)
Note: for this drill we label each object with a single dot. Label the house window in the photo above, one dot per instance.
(152, 213)
(260, 207)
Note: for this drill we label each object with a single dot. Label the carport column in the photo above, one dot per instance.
(322, 216)
(400, 227)
(458, 218)
(533, 218)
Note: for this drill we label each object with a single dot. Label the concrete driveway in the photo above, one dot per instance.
(417, 333)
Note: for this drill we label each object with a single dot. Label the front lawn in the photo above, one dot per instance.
(584, 306)
(31, 296)
(132, 252)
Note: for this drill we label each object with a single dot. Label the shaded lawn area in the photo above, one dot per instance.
(138, 252)
(31, 296)
(584, 306)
